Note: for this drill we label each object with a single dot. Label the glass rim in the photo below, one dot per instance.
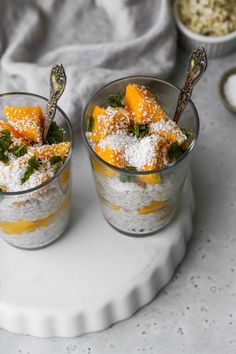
(68, 158)
(133, 172)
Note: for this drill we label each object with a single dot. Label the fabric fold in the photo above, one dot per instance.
(96, 41)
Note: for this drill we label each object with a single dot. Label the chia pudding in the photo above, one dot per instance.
(139, 157)
(34, 175)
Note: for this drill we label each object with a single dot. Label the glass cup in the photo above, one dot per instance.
(36, 217)
(141, 203)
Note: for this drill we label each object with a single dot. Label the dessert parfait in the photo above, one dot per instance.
(34, 175)
(140, 157)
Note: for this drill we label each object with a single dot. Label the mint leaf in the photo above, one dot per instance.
(174, 151)
(57, 168)
(131, 168)
(185, 132)
(6, 133)
(5, 140)
(55, 134)
(90, 124)
(33, 164)
(55, 159)
(3, 157)
(115, 100)
(124, 178)
(139, 130)
(19, 150)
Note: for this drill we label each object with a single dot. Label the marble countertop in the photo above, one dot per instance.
(196, 312)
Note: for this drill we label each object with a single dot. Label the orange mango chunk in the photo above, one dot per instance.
(28, 121)
(107, 121)
(7, 126)
(142, 105)
(46, 152)
(153, 178)
(168, 130)
(101, 168)
(22, 226)
(155, 205)
(111, 156)
(65, 176)
(116, 207)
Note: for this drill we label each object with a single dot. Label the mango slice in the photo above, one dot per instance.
(7, 126)
(152, 207)
(104, 170)
(46, 152)
(168, 130)
(65, 176)
(116, 207)
(143, 105)
(111, 156)
(23, 226)
(107, 121)
(28, 121)
(154, 178)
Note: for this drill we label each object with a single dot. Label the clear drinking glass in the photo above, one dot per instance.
(36, 217)
(141, 203)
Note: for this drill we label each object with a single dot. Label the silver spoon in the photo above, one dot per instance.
(196, 68)
(57, 83)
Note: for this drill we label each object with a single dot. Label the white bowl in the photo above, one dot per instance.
(215, 46)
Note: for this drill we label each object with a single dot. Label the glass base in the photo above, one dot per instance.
(44, 245)
(144, 234)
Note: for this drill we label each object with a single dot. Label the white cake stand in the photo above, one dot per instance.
(93, 276)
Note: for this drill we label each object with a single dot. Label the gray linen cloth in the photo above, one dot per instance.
(97, 41)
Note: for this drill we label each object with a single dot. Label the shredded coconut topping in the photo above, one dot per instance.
(112, 120)
(148, 151)
(11, 174)
(149, 105)
(139, 153)
(22, 121)
(117, 141)
(167, 129)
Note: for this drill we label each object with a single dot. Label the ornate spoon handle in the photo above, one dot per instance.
(196, 68)
(57, 83)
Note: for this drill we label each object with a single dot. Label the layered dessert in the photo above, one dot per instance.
(132, 136)
(34, 183)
